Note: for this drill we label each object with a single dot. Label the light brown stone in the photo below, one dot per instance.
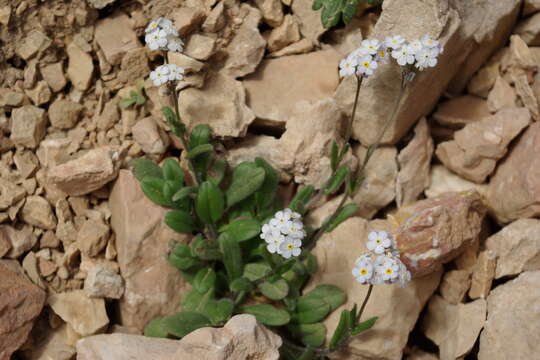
(200, 46)
(109, 116)
(526, 93)
(529, 30)
(514, 189)
(115, 36)
(300, 47)
(151, 138)
(87, 173)
(502, 96)
(30, 266)
(134, 66)
(10, 194)
(483, 275)
(86, 316)
(310, 21)
(530, 7)
(511, 330)
(28, 124)
(38, 212)
(5, 244)
(80, 67)
(27, 163)
(187, 19)
(33, 43)
(454, 286)
(460, 111)
(40, 94)
(10, 97)
(92, 237)
(53, 74)
(454, 328)
(482, 82)
(46, 267)
(443, 181)
(190, 65)
(519, 57)
(101, 282)
(52, 344)
(20, 241)
(100, 4)
(64, 114)
(285, 34)
(215, 21)
(272, 11)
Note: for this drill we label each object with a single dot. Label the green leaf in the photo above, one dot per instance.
(267, 314)
(181, 250)
(332, 295)
(232, 256)
(301, 198)
(247, 178)
(200, 135)
(155, 329)
(140, 99)
(180, 221)
(127, 102)
(181, 324)
(199, 150)
(275, 290)
(144, 167)
(242, 230)
(317, 4)
(363, 326)
(206, 250)
(334, 156)
(342, 330)
(196, 301)
(310, 334)
(216, 173)
(266, 193)
(337, 180)
(335, 10)
(204, 280)
(310, 310)
(343, 214)
(153, 187)
(182, 263)
(308, 354)
(256, 271)
(210, 203)
(311, 263)
(172, 171)
(177, 127)
(241, 284)
(219, 311)
(184, 193)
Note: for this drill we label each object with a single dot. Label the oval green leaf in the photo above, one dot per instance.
(268, 315)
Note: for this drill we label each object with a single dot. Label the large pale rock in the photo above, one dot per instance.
(272, 11)
(200, 47)
(102, 282)
(80, 68)
(397, 308)
(517, 247)
(34, 43)
(283, 35)
(443, 181)
(10, 194)
(221, 103)
(246, 49)
(115, 36)
(476, 148)
(501, 96)
(454, 328)
(511, 330)
(482, 82)
(64, 114)
(435, 231)
(529, 30)
(454, 285)
(514, 189)
(87, 173)
(279, 84)
(150, 137)
(28, 125)
(531, 6)
(414, 165)
(310, 21)
(21, 302)
(19, 241)
(152, 286)
(38, 212)
(460, 111)
(53, 74)
(51, 344)
(92, 237)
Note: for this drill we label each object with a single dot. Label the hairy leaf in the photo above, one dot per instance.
(210, 203)
(267, 314)
(143, 167)
(274, 290)
(247, 178)
(232, 256)
(155, 329)
(181, 324)
(363, 326)
(242, 230)
(180, 221)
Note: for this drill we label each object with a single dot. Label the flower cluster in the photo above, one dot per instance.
(384, 265)
(162, 35)
(284, 233)
(422, 53)
(165, 73)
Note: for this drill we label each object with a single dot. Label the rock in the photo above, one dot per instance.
(187, 19)
(134, 65)
(483, 275)
(41, 94)
(10, 194)
(246, 49)
(28, 125)
(434, 231)
(115, 36)
(454, 286)
(33, 43)
(251, 147)
(286, 33)
(153, 287)
(454, 328)
(53, 74)
(526, 93)
(80, 67)
(517, 247)
(100, 4)
(87, 173)
(460, 111)
(417, 354)
(414, 165)
(310, 21)
(21, 302)
(289, 80)
(125, 347)
(46, 267)
(5, 244)
(474, 152)
(514, 190)
(482, 82)
(502, 96)
(86, 316)
(510, 331)
(30, 266)
(519, 58)
(102, 282)
(92, 237)
(151, 138)
(257, 342)
(215, 21)
(530, 7)
(220, 104)
(19, 241)
(52, 344)
(27, 163)
(300, 47)
(190, 65)
(379, 187)
(272, 11)
(200, 47)
(109, 116)
(529, 30)
(443, 181)
(11, 98)
(38, 212)
(64, 114)
(397, 308)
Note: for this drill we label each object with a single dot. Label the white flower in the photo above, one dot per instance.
(293, 228)
(174, 44)
(366, 66)
(404, 55)
(363, 269)
(378, 242)
(290, 247)
(274, 240)
(370, 46)
(154, 25)
(160, 76)
(156, 39)
(428, 42)
(389, 270)
(347, 66)
(382, 55)
(175, 72)
(416, 46)
(169, 29)
(427, 58)
(394, 42)
(404, 274)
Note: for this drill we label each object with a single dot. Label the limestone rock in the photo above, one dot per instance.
(9, 97)
(530, 7)
(92, 237)
(10, 194)
(529, 30)
(20, 241)
(482, 82)
(272, 11)
(246, 49)
(310, 21)
(64, 114)
(300, 47)
(434, 231)
(30, 266)
(476, 148)
(286, 33)
(151, 138)
(454, 328)
(220, 104)
(27, 163)
(87, 173)
(414, 165)
(152, 286)
(21, 302)
(100, 4)
(52, 344)
(102, 282)
(443, 181)
(514, 190)
(215, 21)
(200, 47)
(279, 84)
(190, 65)
(38, 212)
(33, 43)
(517, 247)
(80, 67)
(115, 36)
(454, 286)
(109, 116)
(86, 316)
(28, 125)
(186, 19)
(510, 330)
(250, 147)
(460, 111)
(397, 308)
(40, 94)
(483, 275)
(501, 96)
(5, 244)
(134, 65)
(526, 94)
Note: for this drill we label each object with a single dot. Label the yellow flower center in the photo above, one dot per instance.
(382, 53)
(365, 64)
(363, 272)
(389, 271)
(290, 246)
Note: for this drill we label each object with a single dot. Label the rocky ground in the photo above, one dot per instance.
(82, 252)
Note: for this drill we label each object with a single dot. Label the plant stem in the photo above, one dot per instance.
(359, 80)
(361, 311)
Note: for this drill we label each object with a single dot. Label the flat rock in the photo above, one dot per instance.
(502, 96)
(200, 46)
(80, 67)
(150, 137)
(483, 275)
(529, 30)
(21, 302)
(101, 282)
(10, 194)
(443, 181)
(310, 21)
(187, 19)
(38, 212)
(92, 237)
(53, 74)
(511, 331)
(272, 11)
(19, 241)
(454, 286)
(514, 189)
(285, 34)
(115, 36)
(279, 84)
(32, 44)
(100, 4)
(28, 126)
(460, 111)
(87, 173)
(64, 114)
(153, 287)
